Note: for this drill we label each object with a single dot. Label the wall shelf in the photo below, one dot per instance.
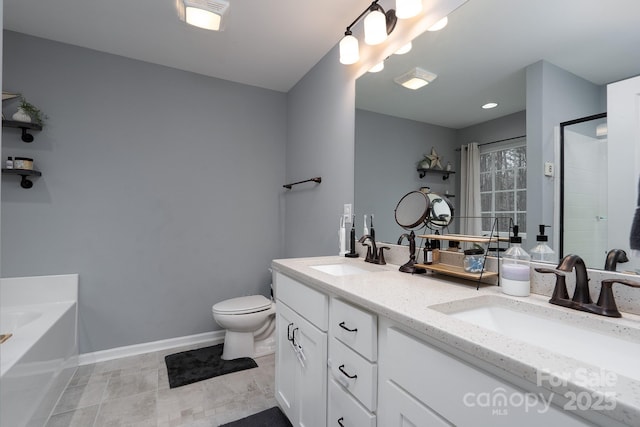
(445, 174)
(25, 182)
(453, 270)
(24, 126)
(463, 238)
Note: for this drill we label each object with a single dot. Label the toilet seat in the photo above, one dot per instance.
(242, 305)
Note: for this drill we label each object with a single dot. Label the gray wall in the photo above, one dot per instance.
(509, 126)
(553, 96)
(387, 152)
(160, 187)
(321, 110)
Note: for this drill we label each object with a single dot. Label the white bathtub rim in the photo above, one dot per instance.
(23, 339)
(208, 338)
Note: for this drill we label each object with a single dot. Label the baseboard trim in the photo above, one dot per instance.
(211, 338)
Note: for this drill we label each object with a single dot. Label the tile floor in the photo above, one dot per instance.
(134, 392)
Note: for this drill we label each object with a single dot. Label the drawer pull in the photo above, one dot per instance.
(340, 421)
(289, 337)
(341, 324)
(293, 339)
(341, 368)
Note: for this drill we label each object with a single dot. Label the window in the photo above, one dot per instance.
(503, 186)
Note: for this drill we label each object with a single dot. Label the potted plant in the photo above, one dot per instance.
(28, 112)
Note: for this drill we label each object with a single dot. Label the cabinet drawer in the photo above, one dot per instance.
(309, 303)
(346, 409)
(355, 327)
(345, 363)
(454, 389)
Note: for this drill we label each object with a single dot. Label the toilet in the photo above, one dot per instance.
(250, 326)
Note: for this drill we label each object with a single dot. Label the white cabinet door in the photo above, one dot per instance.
(405, 411)
(312, 379)
(301, 381)
(286, 361)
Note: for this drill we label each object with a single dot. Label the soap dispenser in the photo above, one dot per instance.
(515, 269)
(542, 252)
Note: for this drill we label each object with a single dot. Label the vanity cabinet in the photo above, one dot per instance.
(422, 385)
(301, 354)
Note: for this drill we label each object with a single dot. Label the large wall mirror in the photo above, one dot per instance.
(543, 62)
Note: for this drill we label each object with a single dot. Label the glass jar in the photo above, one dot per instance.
(473, 260)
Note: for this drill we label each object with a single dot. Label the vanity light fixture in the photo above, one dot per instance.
(490, 105)
(408, 8)
(404, 49)
(207, 14)
(377, 25)
(439, 25)
(377, 68)
(415, 78)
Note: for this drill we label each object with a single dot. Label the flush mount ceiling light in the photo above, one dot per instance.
(377, 25)
(415, 78)
(207, 14)
(490, 105)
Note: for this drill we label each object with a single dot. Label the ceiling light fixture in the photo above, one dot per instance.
(415, 78)
(439, 25)
(377, 25)
(207, 14)
(490, 105)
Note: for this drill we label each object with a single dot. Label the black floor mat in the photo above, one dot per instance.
(272, 417)
(196, 365)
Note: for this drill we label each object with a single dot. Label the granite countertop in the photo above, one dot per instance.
(420, 303)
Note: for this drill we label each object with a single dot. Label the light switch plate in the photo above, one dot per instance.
(548, 169)
(347, 212)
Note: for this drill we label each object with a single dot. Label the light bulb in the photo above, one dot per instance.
(377, 68)
(349, 50)
(404, 49)
(408, 8)
(439, 25)
(375, 28)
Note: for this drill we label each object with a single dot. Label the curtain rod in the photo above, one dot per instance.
(495, 142)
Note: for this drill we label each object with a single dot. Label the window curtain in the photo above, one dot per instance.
(470, 221)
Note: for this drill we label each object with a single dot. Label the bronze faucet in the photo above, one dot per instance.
(614, 256)
(606, 305)
(372, 251)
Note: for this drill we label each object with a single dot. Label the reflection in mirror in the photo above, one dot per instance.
(441, 212)
(584, 187)
(540, 76)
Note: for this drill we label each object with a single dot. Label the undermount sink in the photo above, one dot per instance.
(341, 269)
(594, 341)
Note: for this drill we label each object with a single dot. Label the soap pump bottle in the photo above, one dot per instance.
(515, 269)
(542, 252)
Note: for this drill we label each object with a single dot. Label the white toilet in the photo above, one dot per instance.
(250, 325)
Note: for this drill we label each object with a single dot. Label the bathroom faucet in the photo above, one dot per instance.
(606, 305)
(581, 294)
(614, 256)
(372, 251)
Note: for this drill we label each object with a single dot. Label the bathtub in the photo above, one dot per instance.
(39, 358)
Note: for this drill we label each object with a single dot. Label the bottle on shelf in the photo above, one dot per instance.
(542, 252)
(515, 268)
(428, 253)
(9, 163)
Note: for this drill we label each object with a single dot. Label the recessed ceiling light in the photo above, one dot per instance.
(415, 78)
(490, 105)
